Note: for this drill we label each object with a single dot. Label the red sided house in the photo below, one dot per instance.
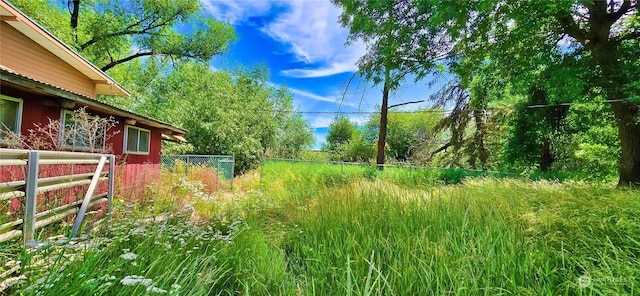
(43, 79)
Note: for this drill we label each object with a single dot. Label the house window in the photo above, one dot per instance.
(136, 140)
(82, 131)
(10, 116)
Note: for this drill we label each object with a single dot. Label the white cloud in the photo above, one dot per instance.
(321, 121)
(324, 120)
(310, 95)
(328, 70)
(309, 29)
(236, 11)
(306, 94)
(315, 37)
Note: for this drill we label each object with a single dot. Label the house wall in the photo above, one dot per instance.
(132, 170)
(23, 55)
(135, 170)
(117, 142)
(33, 111)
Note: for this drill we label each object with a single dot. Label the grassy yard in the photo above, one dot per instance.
(320, 229)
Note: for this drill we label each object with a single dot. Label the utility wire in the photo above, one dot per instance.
(420, 111)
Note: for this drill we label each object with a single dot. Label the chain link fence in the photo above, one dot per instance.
(223, 165)
(398, 173)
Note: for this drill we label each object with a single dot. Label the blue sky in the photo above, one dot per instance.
(303, 45)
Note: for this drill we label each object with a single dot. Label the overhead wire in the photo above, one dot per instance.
(510, 108)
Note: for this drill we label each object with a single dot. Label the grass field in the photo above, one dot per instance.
(320, 229)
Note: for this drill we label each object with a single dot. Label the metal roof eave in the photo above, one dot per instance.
(105, 85)
(30, 83)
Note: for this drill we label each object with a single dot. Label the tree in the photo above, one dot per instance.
(469, 124)
(340, 131)
(519, 38)
(236, 113)
(293, 133)
(113, 32)
(398, 44)
(406, 132)
(346, 142)
(357, 149)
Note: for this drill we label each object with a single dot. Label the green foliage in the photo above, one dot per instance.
(540, 237)
(52, 17)
(504, 53)
(399, 40)
(357, 149)
(293, 134)
(112, 32)
(238, 114)
(321, 229)
(405, 132)
(172, 148)
(340, 132)
(345, 142)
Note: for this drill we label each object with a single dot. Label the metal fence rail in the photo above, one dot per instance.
(222, 164)
(32, 185)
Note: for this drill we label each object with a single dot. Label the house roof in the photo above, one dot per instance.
(22, 80)
(105, 85)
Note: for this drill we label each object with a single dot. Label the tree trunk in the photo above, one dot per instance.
(546, 156)
(382, 133)
(613, 81)
(75, 14)
(629, 132)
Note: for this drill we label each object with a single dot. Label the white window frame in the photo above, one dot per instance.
(63, 116)
(19, 117)
(126, 138)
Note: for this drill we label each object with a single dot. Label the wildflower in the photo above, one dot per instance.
(138, 231)
(129, 256)
(175, 287)
(106, 285)
(154, 289)
(132, 280)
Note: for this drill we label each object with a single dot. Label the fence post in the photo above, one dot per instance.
(217, 173)
(233, 165)
(112, 179)
(31, 195)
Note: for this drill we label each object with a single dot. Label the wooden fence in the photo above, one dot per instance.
(24, 165)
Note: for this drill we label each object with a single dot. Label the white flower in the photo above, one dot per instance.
(132, 280)
(153, 289)
(138, 231)
(175, 287)
(128, 256)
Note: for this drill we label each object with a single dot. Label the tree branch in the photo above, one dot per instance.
(572, 29)
(128, 31)
(442, 148)
(405, 103)
(131, 57)
(630, 36)
(624, 8)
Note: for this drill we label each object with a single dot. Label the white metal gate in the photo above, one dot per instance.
(29, 188)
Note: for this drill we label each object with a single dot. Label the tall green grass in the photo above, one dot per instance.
(378, 235)
(321, 229)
